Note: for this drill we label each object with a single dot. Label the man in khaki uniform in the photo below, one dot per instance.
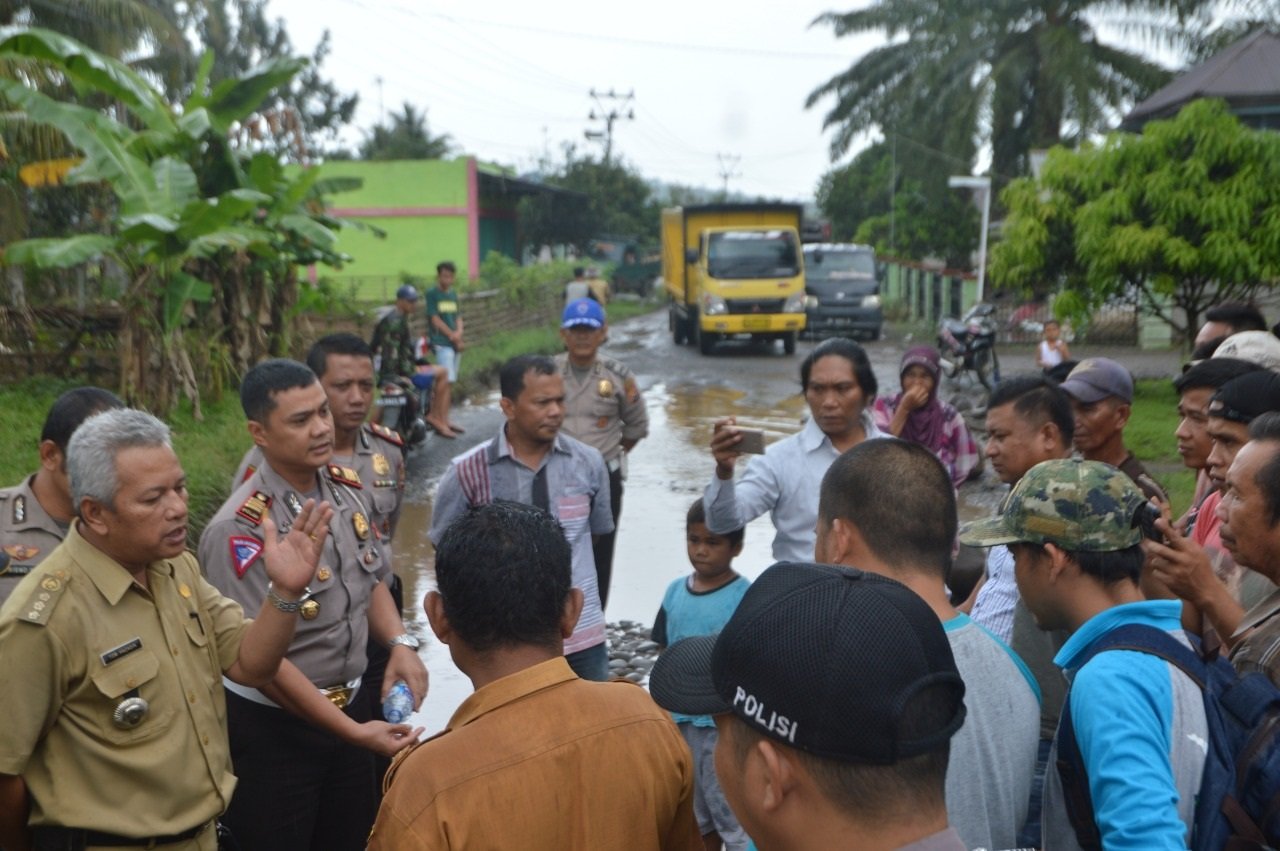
(603, 409)
(35, 515)
(344, 364)
(300, 788)
(113, 710)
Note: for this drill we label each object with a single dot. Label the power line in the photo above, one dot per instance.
(728, 168)
(617, 39)
(609, 114)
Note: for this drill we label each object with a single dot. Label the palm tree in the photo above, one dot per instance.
(405, 138)
(1015, 74)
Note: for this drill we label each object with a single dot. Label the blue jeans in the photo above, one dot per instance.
(592, 663)
(1030, 835)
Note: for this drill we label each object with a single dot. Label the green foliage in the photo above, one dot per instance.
(305, 112)
(1185, 215)
(523, 284)
(607, 198)
(406, 137)
(929, 218)
(194, 219)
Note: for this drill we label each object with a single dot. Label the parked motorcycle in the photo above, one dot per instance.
(969, 345)
(402, 405)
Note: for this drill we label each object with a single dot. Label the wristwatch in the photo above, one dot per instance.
(289, 607)
(404, 639)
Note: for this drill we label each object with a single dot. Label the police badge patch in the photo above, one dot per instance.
(244, 552)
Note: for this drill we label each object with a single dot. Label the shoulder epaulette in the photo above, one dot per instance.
(47, 593)
(255, 507)
(386, 434)
(345, 476)
(249, 470)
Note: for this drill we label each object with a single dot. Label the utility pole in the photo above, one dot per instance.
(609, 107)
(893, 194)
(382, 110)
(728, 169)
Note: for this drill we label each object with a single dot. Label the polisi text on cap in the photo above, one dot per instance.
(753, 708)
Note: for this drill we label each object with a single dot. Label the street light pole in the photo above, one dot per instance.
(983, 185)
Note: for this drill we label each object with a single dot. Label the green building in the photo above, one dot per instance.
(430, 210)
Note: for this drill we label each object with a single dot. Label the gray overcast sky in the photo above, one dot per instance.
(508, 79)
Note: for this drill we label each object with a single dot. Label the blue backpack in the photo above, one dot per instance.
(1238, 808)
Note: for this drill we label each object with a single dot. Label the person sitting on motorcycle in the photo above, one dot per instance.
(918, 415)
(397, 365)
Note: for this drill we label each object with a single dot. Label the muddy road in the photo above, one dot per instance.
(685, 394)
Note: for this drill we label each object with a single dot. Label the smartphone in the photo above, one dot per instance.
(752, 441)
(1145, 519)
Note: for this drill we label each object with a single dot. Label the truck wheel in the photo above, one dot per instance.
(789, 343)
(706, 340)
(677, 328)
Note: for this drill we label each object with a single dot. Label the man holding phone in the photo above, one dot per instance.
(784, 479)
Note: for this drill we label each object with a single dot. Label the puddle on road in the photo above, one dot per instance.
(668, 471)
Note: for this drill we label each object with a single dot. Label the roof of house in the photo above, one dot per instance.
(1246, 75)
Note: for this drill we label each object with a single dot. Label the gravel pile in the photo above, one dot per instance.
(631, 651)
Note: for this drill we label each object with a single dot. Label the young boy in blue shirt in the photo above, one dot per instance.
(701, 604)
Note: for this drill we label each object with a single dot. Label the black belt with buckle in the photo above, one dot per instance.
(71, 838)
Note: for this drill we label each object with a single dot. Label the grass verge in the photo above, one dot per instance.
(210, 449)
(480, 363)
(1149, 436)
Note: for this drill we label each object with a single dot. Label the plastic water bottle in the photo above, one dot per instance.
(399, 703)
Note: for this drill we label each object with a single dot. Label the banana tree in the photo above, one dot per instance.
(208, 236)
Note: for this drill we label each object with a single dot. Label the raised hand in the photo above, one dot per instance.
(291, 559)
(723, 442)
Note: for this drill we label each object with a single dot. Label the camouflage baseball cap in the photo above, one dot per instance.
(1078, 505)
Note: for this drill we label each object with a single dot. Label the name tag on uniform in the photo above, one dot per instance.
(122, 650)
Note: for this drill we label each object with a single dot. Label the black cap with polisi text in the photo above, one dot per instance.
(842, 664)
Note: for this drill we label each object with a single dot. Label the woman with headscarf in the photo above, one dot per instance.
(918, 415)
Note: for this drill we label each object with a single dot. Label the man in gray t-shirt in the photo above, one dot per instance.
(905, 531)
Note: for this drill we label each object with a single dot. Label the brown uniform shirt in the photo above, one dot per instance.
(27, 534)
(543, 761)
(330, 642)
(79, 636)
(1260, 649)
(379, 459)
(605, 408)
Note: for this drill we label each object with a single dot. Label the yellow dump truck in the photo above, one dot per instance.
(734, 270)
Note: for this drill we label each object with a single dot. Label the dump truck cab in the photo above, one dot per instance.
(734, 271)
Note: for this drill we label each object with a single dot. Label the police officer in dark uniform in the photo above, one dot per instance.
(327, 785)
(603, 408)
(35, 515)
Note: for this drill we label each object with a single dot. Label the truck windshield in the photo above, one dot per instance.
(839, 265)
(752, 254)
